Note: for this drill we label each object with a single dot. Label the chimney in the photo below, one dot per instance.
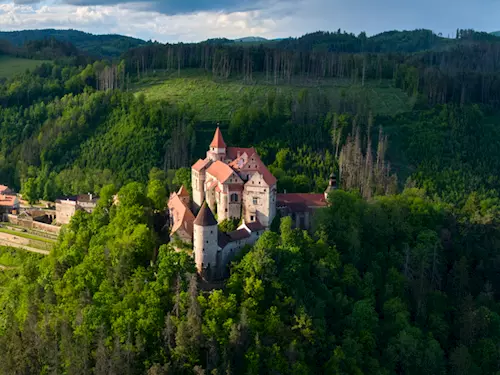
(90, 196)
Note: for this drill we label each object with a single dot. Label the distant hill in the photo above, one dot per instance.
(110, 45)
(251, 39)
(246, 40)
(496, 33)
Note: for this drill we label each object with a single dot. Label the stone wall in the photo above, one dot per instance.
(30, 224)
(10, 219)
(46, 227)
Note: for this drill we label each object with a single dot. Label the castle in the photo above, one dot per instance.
(232, 183)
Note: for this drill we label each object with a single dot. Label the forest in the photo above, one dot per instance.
(398, 276)
(99, 46)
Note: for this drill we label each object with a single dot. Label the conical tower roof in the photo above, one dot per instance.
(218, 141)
(205, 217)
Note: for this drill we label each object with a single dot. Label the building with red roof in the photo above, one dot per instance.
(5, 190)
(8, 203)
(181, 216)
(235, 183)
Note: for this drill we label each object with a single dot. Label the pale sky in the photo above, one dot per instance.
(197, 20)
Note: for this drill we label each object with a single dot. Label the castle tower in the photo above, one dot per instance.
(332, 185)
(205, 242)
(217, 147)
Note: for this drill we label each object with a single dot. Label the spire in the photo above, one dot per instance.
(205, 217)
(183, 192)
(218, 141)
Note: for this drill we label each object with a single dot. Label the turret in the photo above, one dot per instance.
(205, 242)
(332, 185)
(217, 147)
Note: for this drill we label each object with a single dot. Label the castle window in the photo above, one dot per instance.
(252, 218)
(211, 232)
(255, 200)
(226, 209)
(234, 197)
(207, 241)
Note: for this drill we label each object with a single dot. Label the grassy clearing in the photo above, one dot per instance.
(216, 101)
(10, 66)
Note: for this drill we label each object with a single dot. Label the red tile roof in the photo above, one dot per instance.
(240, 161)
(268, 176)
(296, 199)
(200, 164)
(4, 188)
(183, 192)
(8, 200)
(255, 226)
(239, 234)
(220, 171)
(183, 217)
(218, 141)
(235, 152)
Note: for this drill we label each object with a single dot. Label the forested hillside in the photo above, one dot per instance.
(398, 276)
(111, 46)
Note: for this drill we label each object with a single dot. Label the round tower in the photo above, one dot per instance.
(205, 242)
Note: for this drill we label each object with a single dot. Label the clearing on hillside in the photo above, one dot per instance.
(10, 66)
(216, 100)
